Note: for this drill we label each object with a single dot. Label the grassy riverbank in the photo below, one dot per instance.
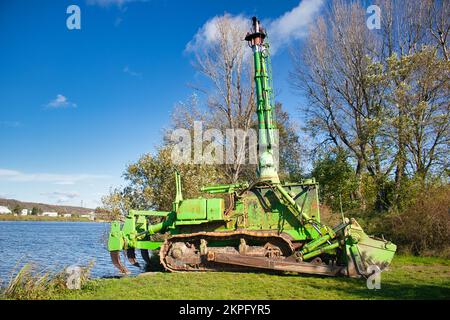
(11, 217)
(408, 278)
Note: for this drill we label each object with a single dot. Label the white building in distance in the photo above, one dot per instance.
(67, 215)
(50, 214)
(4, 210)
(90, 216)
(25, 212)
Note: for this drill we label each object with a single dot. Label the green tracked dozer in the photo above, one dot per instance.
(263, 225)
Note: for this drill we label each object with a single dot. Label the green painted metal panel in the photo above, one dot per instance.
(215, 209)
(115, 240)
(149, 245)
(192, 209)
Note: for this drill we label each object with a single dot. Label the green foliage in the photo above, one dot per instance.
(290, 148)
(152, 182)
(152, 179)
(337, 181)
(382, 98)
(17, 209)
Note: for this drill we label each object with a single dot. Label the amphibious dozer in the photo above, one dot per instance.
(265, 225)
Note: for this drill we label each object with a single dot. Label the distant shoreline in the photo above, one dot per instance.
(10, 217)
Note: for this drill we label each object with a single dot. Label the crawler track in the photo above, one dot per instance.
(183, 252)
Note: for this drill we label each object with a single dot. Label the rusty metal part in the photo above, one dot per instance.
(272, 251)
(183, 252)
(242, 246)
(230, 205)
(115, 258)
(131, 255)
(273, 264)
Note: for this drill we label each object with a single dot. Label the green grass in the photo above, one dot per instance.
(408, 278)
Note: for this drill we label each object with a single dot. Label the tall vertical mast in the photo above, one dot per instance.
(267, 170)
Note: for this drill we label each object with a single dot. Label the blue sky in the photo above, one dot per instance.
(77, 106)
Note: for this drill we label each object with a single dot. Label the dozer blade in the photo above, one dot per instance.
(131, 255)
(115, 257)
(367, 254)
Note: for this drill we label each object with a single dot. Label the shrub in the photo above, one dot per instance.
(424, 226)
(329, 217)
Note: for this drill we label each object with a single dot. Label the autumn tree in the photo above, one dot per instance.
(382, 96)
(336, 73)
(230, 90)
(415, 59)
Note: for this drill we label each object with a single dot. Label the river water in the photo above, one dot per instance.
(55, 245)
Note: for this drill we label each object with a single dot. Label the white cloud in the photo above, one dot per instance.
(60, 102)
(61, 197)
(61, 179)
(54, 194)
(207, 35)
(127, 70)
(291, 25)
